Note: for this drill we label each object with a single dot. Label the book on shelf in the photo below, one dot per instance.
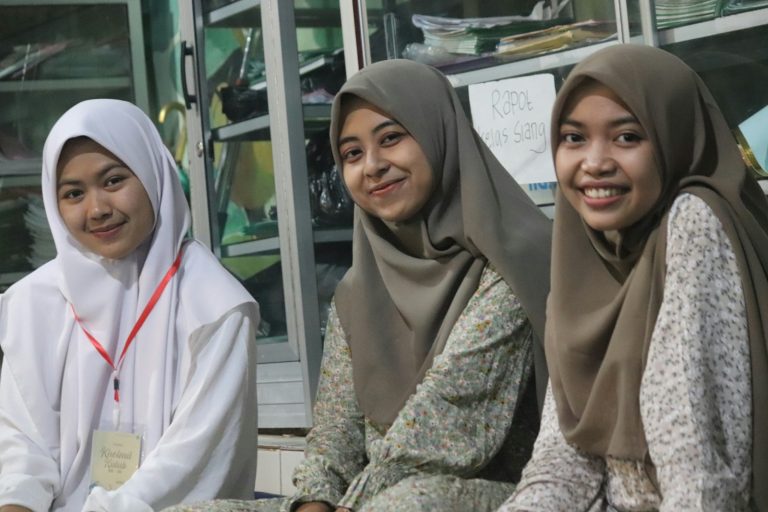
(674, 13)
(24, 58)
(477, 36)
(734, 6)
(557, 37)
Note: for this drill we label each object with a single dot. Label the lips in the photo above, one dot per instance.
(602, 195)
(384, 188)
(106, 231)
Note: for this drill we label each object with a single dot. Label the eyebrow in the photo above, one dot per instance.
(105, 170)
(376, 129)
(630, 119)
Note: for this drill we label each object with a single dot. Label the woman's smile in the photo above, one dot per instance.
(385, 189)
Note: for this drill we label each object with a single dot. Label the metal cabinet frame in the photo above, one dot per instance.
(300, 356)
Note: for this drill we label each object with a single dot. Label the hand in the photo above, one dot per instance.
(14, 508)
(312, 506)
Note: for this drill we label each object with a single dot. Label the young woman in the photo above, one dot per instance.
(656, 326)
(123, 387)
(429, 346)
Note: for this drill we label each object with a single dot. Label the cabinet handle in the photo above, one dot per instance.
(189, 99)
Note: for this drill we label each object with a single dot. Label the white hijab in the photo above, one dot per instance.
(41, 336)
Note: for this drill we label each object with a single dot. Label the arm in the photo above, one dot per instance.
(459, 416)
(29, 475)
(336, 444)
(558, 476)
(696, 391)
(209, 449)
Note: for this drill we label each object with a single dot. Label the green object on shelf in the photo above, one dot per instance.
(184, 179)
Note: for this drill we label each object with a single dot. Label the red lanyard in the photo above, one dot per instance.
(144, 314)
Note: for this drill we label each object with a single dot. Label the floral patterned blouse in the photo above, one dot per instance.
(695, 396)
(454, 423)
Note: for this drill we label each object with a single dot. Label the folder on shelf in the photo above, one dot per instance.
(476, 36)
(556, 37)
(752, 136)
(673, 13)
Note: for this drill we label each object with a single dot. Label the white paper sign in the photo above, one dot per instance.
(513, 118)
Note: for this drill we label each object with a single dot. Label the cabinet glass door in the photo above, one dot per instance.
(52, 56)
(272, 205)
(248, 191)
(729, 51)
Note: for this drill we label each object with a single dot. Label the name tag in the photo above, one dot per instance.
(114, 458)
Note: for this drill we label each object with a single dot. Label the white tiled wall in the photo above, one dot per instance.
(277, 458)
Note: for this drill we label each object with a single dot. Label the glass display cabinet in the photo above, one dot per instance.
(53, 54)
(259, 79)
(475, 42)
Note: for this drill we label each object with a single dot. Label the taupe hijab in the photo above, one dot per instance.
(410, 281)
(604, 303)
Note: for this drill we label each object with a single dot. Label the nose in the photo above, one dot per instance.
(99, 206)
(375, 163)
(597, 160)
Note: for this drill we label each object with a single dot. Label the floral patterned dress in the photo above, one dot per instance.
(695, 396)
(433, 455)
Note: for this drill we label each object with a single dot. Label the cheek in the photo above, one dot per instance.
(352, 181)
(648, 179)
(146, 213)
(69, 216)
(426, 185)
(561, 162)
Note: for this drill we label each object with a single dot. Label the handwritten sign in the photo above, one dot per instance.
(513, 118)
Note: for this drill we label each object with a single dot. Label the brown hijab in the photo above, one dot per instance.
(604, 302)
(410, 281)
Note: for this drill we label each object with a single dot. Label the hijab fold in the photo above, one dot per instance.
(410, 281)
(601, 317)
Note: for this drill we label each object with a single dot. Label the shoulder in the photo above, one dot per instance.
(34, 298)
(207, 291)
(694, 230)
(493, 301)
(492, 287)
(690, 212)
(700, 257)
(43, 280)
(38, 291)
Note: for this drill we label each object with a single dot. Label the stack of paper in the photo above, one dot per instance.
(557, 37)
(673, 13)
(42, 247)
(732, 6)
(15, 239)
(24, 58)
(475, 36)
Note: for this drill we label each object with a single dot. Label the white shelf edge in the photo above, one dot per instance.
(530, 65)
(230, 10)
(326, 235)
(312, 112)
(714, 27)
(21, 167)
(321, 236)
(231, 131)
(55, 84)
(250, 247)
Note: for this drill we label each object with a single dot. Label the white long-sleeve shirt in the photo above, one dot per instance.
(695, 396)
(207, 450)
